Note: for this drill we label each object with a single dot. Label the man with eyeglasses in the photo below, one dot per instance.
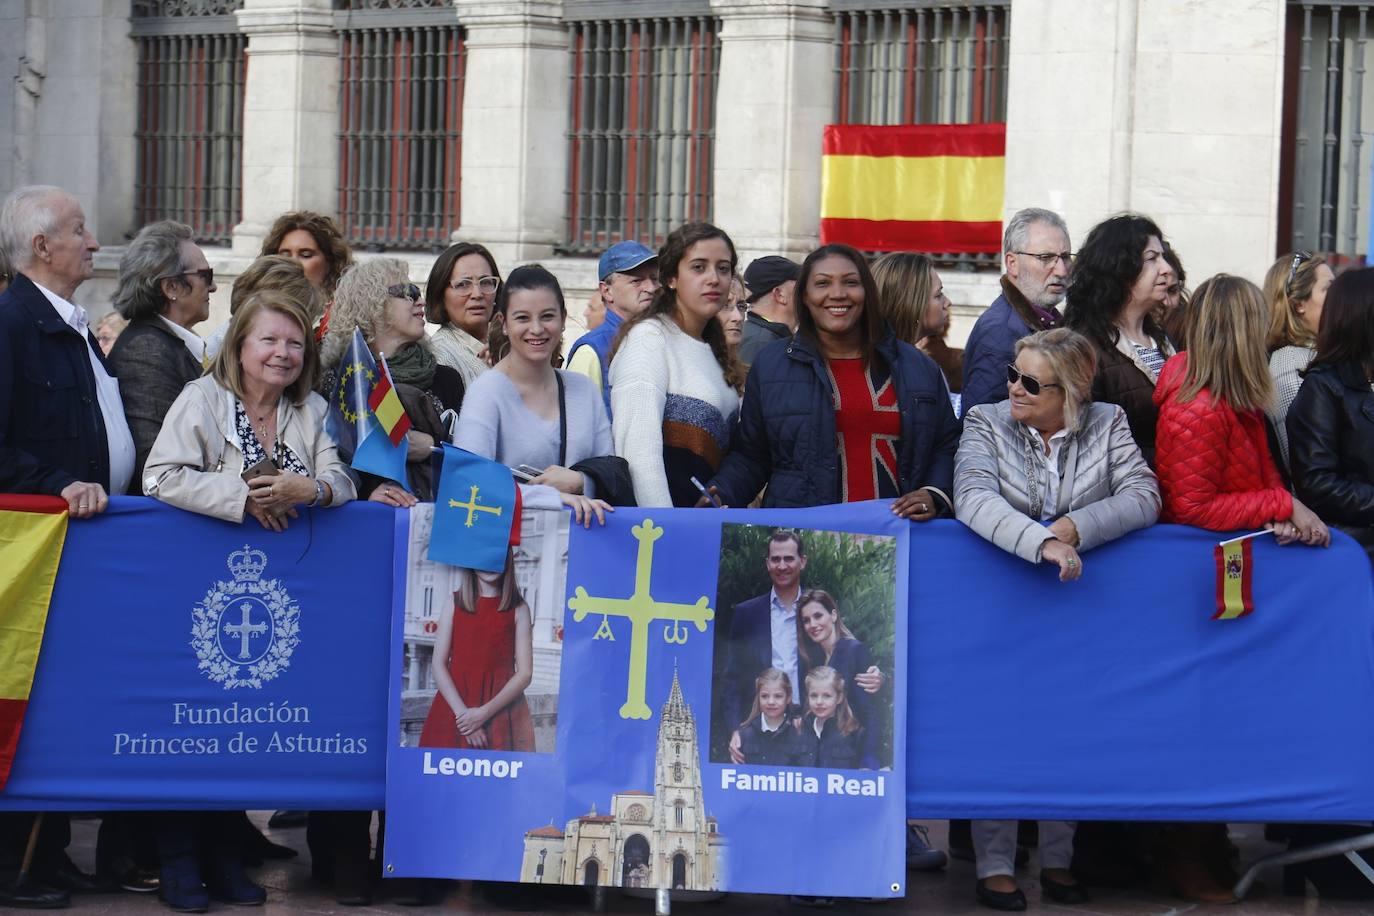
(1036, 256)
(629, 278)
(62, 433)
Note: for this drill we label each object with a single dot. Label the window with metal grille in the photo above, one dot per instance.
(1325, 162)
(400, 121)
(641, 136)
(189, 135)
(921, 63)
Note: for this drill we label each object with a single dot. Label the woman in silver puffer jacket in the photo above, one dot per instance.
(1046, 474)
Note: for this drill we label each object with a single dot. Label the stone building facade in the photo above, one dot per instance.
(1171, 107)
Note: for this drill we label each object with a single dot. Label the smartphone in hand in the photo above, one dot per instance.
(264, 468)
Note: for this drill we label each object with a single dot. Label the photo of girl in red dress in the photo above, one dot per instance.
(483, 661)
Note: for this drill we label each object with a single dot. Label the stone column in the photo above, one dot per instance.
(72, 111)
(515, 122)
(1169, 107)
(774, 98)
(290, 114)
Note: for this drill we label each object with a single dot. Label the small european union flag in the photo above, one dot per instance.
(353, 424)
(474, 513)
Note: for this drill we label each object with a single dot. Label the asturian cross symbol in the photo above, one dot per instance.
(472, 506)
(245, 629)
(641, 610)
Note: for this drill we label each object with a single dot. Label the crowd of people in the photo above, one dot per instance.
(1095, 396)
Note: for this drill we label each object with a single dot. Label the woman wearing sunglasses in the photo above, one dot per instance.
(1046, 475)
(164, 291)
(378, 297)
(459, 298)
(1295, 288)
(1120, 277)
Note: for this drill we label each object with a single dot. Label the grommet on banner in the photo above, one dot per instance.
(896, 888)
(390, 867)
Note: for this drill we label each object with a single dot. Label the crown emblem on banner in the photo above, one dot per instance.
(247, 564)
(244, 631)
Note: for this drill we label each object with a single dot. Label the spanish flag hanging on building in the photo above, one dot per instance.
(915, 187)
(1235, 576)
(32, 531)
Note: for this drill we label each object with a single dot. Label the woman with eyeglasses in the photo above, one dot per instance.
(1047, 475)
(378, 297)
(459, 297)
(1295, 288)
(1331, 421)
(164, 291)
(1120, 277)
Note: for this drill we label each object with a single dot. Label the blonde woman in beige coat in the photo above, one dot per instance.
(249, 438)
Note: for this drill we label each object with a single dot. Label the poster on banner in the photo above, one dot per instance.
(571, 719)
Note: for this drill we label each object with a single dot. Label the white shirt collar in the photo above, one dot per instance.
(69, 312)
(193, 341)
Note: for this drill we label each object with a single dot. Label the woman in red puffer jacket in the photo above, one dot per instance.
(1215, 468)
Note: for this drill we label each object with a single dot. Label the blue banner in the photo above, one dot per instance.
(189, 662)
(1167, 714)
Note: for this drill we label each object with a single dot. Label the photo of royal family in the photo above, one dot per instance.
(803, 649)
(483, 649)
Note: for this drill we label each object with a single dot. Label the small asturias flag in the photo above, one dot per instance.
(913, 187)
(32, 532)
(353, 422)
(1235, 572)
(475, 512)
(386, 405)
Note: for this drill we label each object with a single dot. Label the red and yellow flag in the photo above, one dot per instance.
(1235, 572)
(915, 187)
(32, 531)
(386, 406)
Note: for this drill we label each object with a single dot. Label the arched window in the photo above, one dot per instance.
(678, 809)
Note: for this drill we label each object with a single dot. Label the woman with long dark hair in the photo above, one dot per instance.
(1331, 421)
(674, 382)
(843, 411)
(1120, 278)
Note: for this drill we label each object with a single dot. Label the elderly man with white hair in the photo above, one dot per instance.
(62, 426)
(62, 433)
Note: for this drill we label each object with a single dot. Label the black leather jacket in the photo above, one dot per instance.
(1331, 443)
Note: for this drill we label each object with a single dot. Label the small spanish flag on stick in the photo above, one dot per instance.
(32, 531)
(1235, 573)
(387, 407)
(914, 187)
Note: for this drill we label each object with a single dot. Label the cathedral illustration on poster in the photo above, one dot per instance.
(663, 839)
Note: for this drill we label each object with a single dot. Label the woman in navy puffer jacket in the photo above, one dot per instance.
(842, 411)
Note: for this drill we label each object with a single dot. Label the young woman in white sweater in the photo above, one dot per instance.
(674, 383)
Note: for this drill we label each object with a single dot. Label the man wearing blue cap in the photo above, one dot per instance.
(629, 278)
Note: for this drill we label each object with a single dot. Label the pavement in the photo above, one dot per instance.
(290, 890)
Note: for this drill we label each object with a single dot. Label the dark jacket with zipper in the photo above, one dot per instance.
(1331, 446)
(785, 437)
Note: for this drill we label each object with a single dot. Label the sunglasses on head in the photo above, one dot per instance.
(404, 291)
(1028, 382)
(1298, 258)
